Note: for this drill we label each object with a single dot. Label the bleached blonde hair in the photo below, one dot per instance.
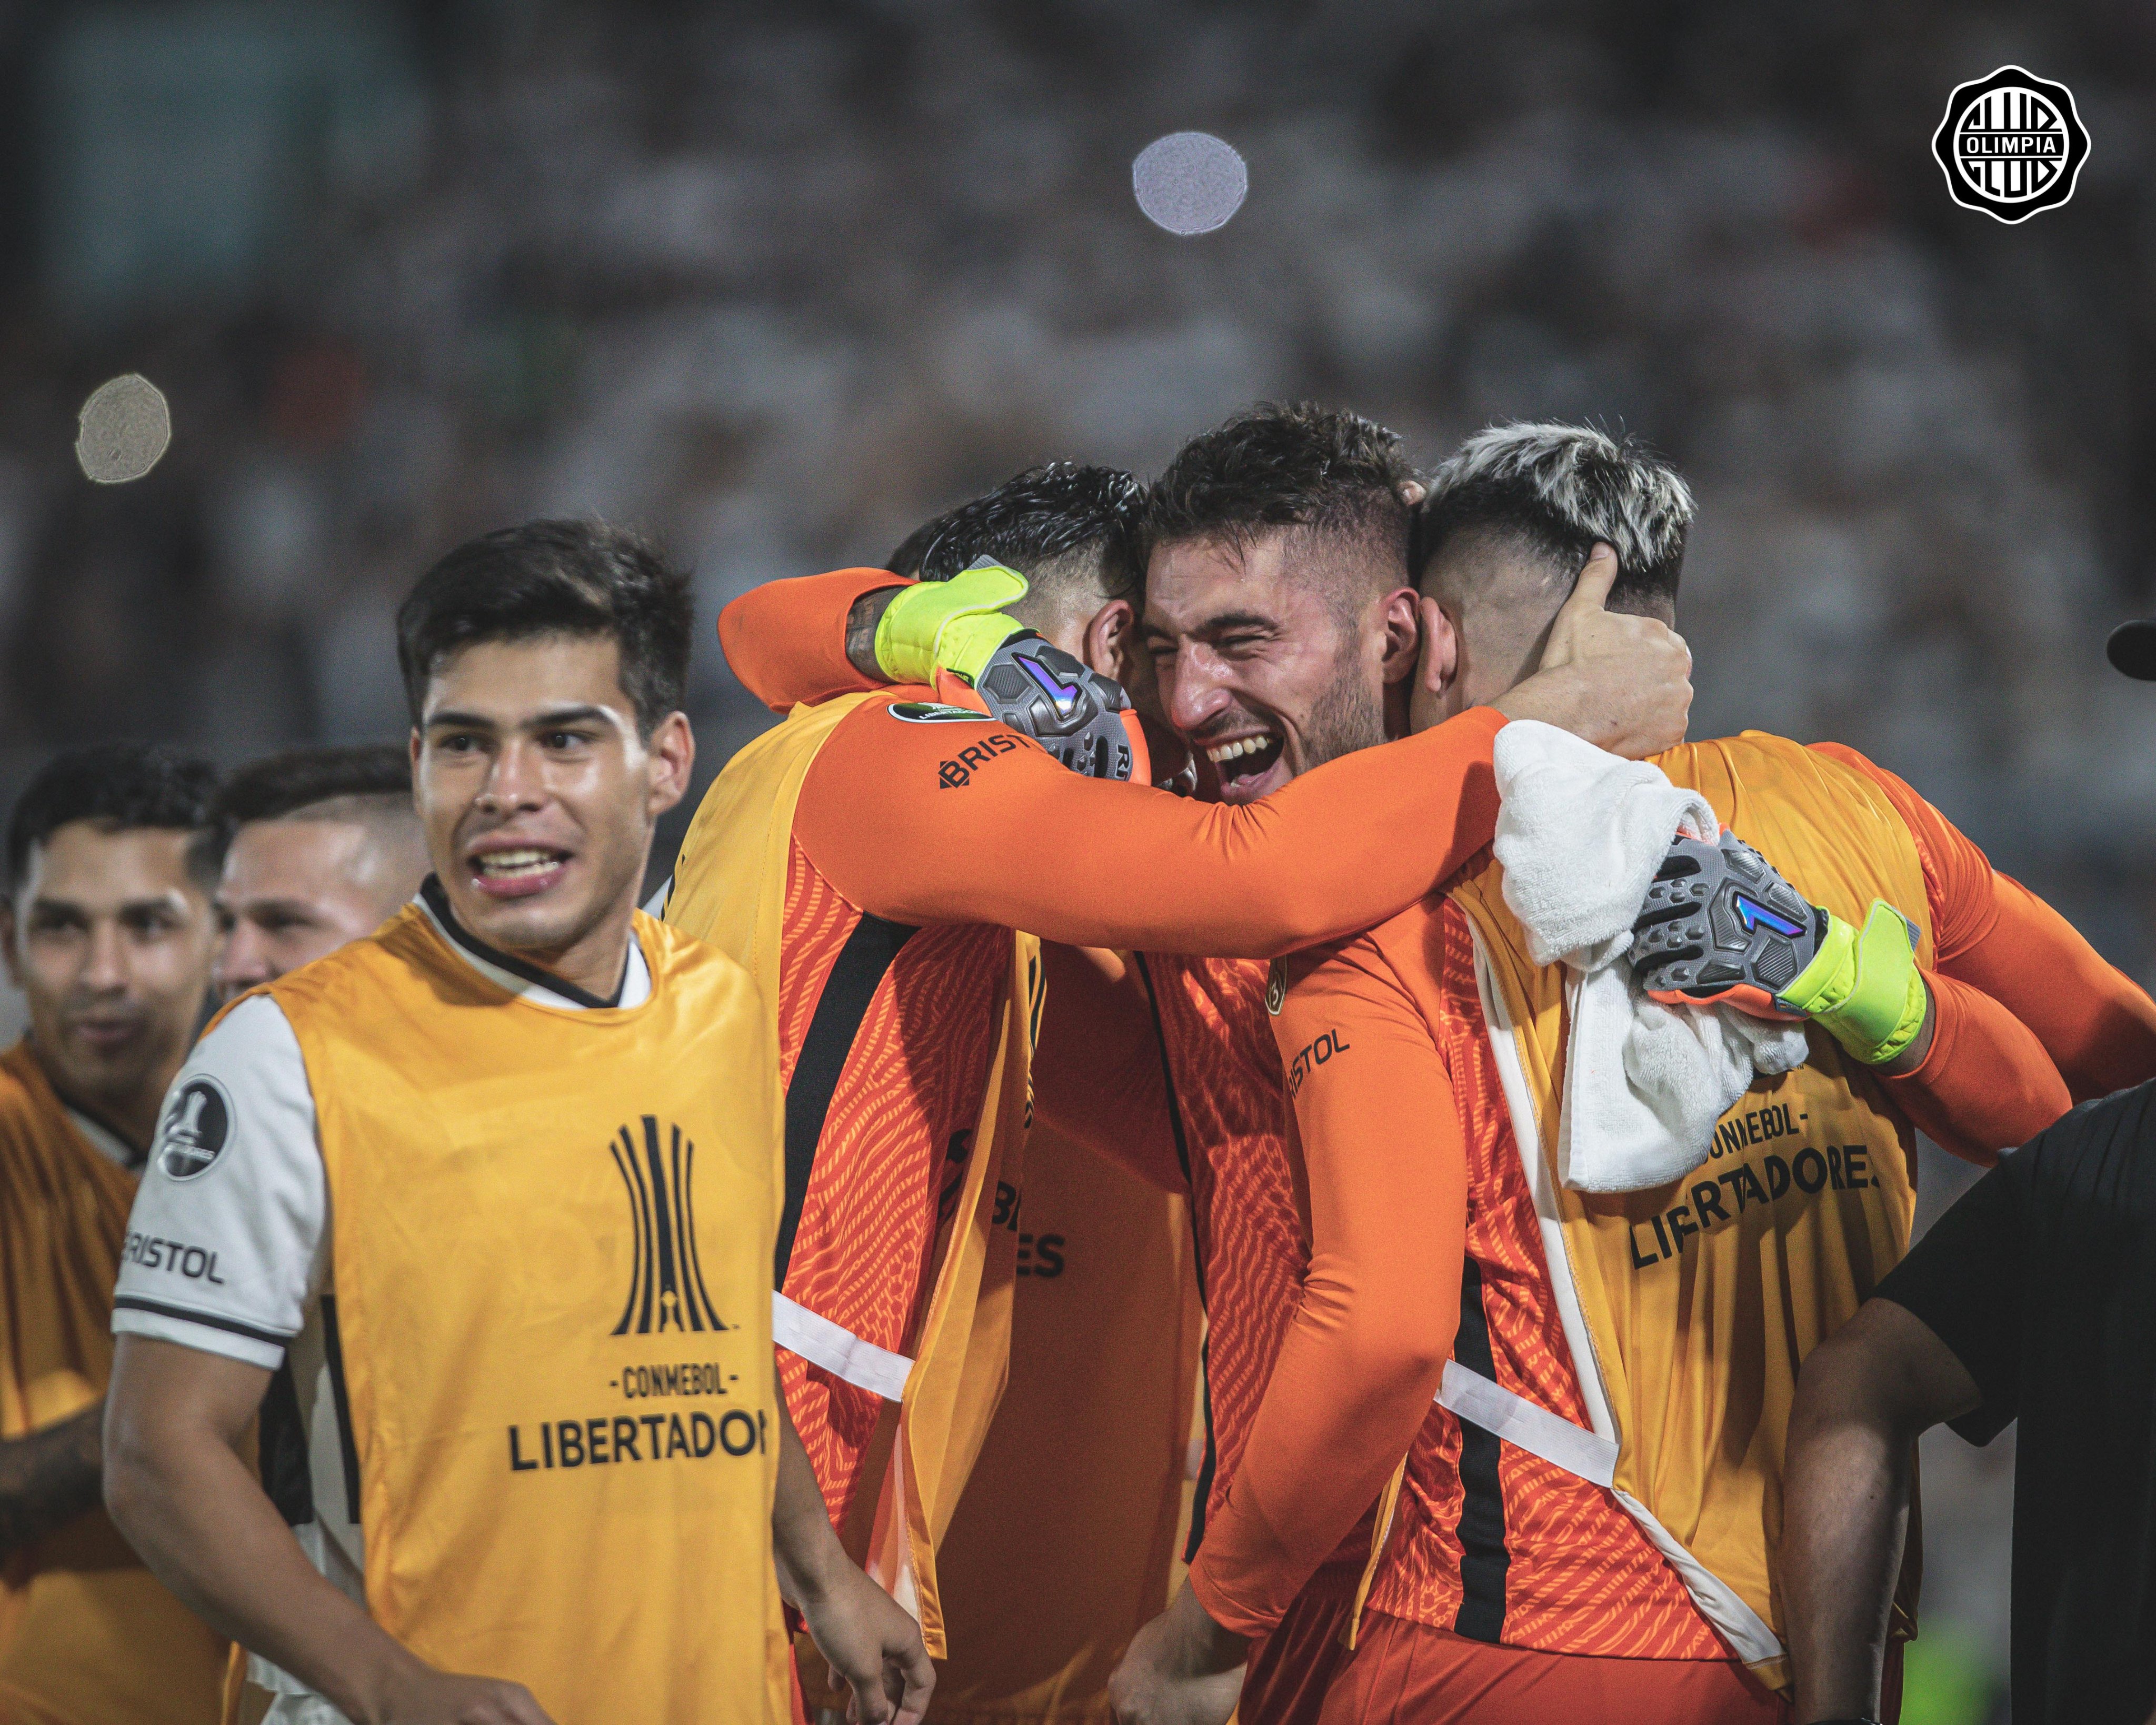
(1560, 488)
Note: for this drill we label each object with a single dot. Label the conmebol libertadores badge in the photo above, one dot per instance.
(2011, 144)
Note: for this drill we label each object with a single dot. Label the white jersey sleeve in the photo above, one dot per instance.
(229, 1243)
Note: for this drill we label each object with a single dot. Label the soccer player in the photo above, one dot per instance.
(870, 859)
(1609, 1555)
(1302, 486)
(109, 933)
(2029, 1300)
(486, 1199)
(1064, 1542)
(319, 846)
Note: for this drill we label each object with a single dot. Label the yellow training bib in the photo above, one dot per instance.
(553, 1233)
(1690, 1307)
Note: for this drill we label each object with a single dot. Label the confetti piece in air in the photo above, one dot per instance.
(126, 426)
(1189, 182)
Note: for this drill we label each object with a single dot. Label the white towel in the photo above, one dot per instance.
(1580, 833)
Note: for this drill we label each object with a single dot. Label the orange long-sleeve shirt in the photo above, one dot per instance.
(918, 841)
(1985, 1082)
(1397, 1121)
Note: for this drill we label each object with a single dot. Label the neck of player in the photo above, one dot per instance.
(129, 1115)
(597, 960)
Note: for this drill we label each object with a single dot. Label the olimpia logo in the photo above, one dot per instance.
(2011, 145)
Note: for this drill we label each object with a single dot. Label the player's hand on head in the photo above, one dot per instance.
(423, 1696)
(1622, 682)
(873, 1647)
(1181, 1669)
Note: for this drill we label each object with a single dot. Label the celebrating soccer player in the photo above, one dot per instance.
(108, 932)
(1590, 1533)
(786, 640)
(483, 1204)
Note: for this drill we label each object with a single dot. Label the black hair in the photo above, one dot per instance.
(554, 578)
(283, 784)
(120, 787)
(1059, 521)
(1287, 465)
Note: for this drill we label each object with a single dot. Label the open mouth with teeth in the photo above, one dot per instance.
(517, 872)
(1242, 762)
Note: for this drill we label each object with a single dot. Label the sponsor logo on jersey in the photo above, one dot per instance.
(951, 774)
(195, 1263)
(2011, 145)
(197, 1126)
(666, 1281)
(935, 712)
(1275, 987)
(1313, 1055)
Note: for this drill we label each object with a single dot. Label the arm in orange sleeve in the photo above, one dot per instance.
(1386, 1171)
(1991, 933)
(1097, 1075)
(967, 821)
(1985, 1084)
(786, 640)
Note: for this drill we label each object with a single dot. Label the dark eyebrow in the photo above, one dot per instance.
(468, 722)
(570, 716)
(1233, 621)
(268, 906)
(50, 908)
(1222, 623)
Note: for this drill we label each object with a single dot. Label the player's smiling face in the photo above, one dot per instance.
(1256, 672)
(111, 942)
(538, 794)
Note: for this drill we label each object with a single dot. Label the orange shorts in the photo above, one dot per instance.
(1290, 1670)
(1403, 1673)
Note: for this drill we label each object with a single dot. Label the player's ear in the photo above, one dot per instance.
(670, 755)
(1440, 646)
(1402, 634)
(1111, 639)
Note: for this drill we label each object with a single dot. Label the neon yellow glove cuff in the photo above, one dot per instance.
(1863, 987)
(953, 625)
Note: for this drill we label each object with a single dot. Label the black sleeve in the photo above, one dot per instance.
(1967, 1281)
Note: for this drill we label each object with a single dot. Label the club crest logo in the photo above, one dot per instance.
(666, 1284)
(2011, 145)
(197, 1126)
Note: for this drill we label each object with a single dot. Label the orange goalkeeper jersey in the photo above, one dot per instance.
(1427, 1245)
(919, 837)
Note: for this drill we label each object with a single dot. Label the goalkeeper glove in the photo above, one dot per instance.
(954, 629)
(1721, 926)
(953, 625)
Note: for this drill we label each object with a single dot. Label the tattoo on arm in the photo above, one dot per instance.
(50, 1477)
(861, 631)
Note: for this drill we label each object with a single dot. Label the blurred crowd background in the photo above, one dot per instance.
(773, 283)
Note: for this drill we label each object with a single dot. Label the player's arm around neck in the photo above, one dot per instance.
(176, 1485)
(875, 1647)
(809, 636)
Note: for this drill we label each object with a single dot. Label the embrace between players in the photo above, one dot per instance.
(511, 1198)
